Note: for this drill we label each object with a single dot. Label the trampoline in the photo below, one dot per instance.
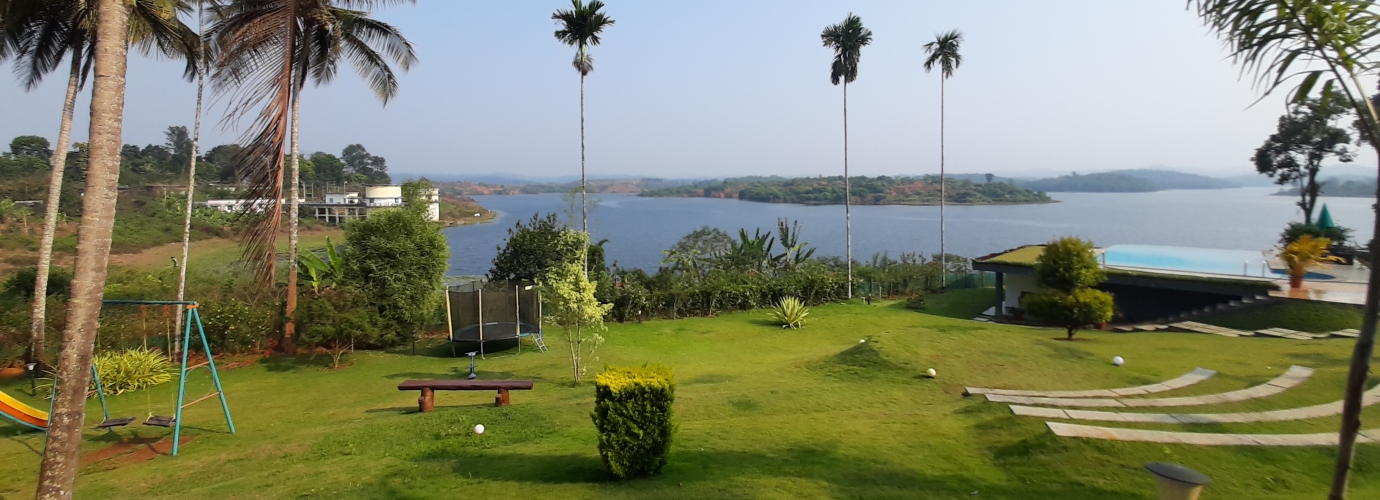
(483, 312)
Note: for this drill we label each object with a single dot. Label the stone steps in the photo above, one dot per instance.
(1195, 327)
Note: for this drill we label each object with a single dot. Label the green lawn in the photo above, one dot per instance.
(1304, 316)
(963, 304)
(762, 413)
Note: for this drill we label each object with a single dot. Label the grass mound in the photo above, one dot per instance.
(1303, 316)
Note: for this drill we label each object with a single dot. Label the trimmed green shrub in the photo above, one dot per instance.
(632, 414)
(916, 302)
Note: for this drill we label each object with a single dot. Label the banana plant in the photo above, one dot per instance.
(321, 273)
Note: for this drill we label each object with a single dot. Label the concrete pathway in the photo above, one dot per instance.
(1185, 380)
(1370, 397)
(1205, 439)
(1293, 377)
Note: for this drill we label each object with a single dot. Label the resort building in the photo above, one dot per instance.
(1164, 283)
(337, 208)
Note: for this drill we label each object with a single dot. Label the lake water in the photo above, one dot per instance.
(638, 229)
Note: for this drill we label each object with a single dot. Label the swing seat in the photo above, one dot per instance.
(160, 421)
(115, 422)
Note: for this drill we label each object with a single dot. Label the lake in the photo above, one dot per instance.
(638, 229)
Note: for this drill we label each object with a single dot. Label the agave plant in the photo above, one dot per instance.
(790, 313)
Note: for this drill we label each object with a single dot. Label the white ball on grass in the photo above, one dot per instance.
(862, 341)
(1116, 360)
(931, 372)
(479, 429)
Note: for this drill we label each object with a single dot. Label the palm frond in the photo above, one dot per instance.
(944, 52)
(580, 27)
(847, 38)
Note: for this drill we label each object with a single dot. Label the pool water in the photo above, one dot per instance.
(1198, 260)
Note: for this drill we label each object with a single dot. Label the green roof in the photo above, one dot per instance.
(1023, 256)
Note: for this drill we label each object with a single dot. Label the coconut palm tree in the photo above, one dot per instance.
(943, 52)
(191, 162)
(40, 34)
(266, 50)
(847, 39)
(58, 470)
(580, 28)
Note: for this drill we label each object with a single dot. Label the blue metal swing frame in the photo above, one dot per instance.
(190, 309)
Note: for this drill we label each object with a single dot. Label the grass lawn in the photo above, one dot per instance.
(963, 304)
(1304, 316)
(762, 413)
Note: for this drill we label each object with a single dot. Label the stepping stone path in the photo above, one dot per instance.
(1205, 439)
(1195, 327)
(1294, 376)
(1350, 333)
(1371, 397)
(1185, 380)
(1286, 334)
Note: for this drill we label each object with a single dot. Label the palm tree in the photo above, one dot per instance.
(40, 34)
(943, 52)
(191, 162)
(1333, 44)
(847, 39)
(580, 28)
(266, 49)
(58, 471)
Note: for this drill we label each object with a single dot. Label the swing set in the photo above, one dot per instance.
(36, 419)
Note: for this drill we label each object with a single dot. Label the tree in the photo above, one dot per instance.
(266, 50)
(697, 251)
(58, 470)
(1068, 269)
(943, 52)
(337, 318)
(580, 28)
(223, 158)
(531, 251)
(847, 39)
(41, 33)
(573, 306)
(1305, 137)
(988, 176)
(30, 145)
(1332, 42)
(397, 259)
(328, 167)
(358, 162)
(185, 149)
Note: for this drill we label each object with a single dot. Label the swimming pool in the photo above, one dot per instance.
(1198, 260)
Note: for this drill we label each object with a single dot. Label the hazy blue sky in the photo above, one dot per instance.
(721, 88)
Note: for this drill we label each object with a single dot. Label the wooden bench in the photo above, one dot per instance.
(427, 401)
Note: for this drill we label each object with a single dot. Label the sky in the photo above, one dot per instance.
(729, 88)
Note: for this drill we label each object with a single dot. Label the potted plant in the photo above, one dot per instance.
(1303, 253)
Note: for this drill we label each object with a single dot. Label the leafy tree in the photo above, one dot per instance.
(397, 259)
(178, 145)
(1068, 270)
(30, 145)
(573, 305)
(358, 162)
(416, 195)
(222, 158)
(943, 52)
(328, 167)
(338, 318)
(265, 51)
(531, 251)
(580, 28)
(1320, 41)
(696, 252)
(847, 39)
(1305, 137)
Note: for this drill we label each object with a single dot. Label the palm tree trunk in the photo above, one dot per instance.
(37, 327)
(58, 471)
(289, 330)
(584, 205)
(943, 257)
(847, 194)
(191, 170)
(1357, 374)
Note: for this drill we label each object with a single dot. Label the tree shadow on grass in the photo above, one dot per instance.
(284, 363)
(847, 476)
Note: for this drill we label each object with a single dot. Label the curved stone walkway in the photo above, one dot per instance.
(1370, 397)
(1203, 438)
(1185, 380)
(1294, 376)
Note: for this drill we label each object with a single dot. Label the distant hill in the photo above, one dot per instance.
(1169, 179)
(627, 186)
(1105, 182)
(1339, 188)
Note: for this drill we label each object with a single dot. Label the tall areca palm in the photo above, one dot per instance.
(847, 39)
(943, 52)
(40, 34)
(580, 28)
(58, 471)
(266, 50)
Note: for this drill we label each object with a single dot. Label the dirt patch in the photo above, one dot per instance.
(150, 451)
(117, 449)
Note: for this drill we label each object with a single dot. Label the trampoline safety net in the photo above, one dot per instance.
(493, 312)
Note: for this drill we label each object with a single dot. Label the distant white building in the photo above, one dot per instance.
(340, 207)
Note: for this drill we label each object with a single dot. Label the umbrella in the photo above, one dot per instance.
(1325, 219)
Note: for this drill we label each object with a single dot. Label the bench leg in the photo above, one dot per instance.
(427, 401)
(502, 398)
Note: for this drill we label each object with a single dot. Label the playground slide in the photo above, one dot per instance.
(22, 413)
